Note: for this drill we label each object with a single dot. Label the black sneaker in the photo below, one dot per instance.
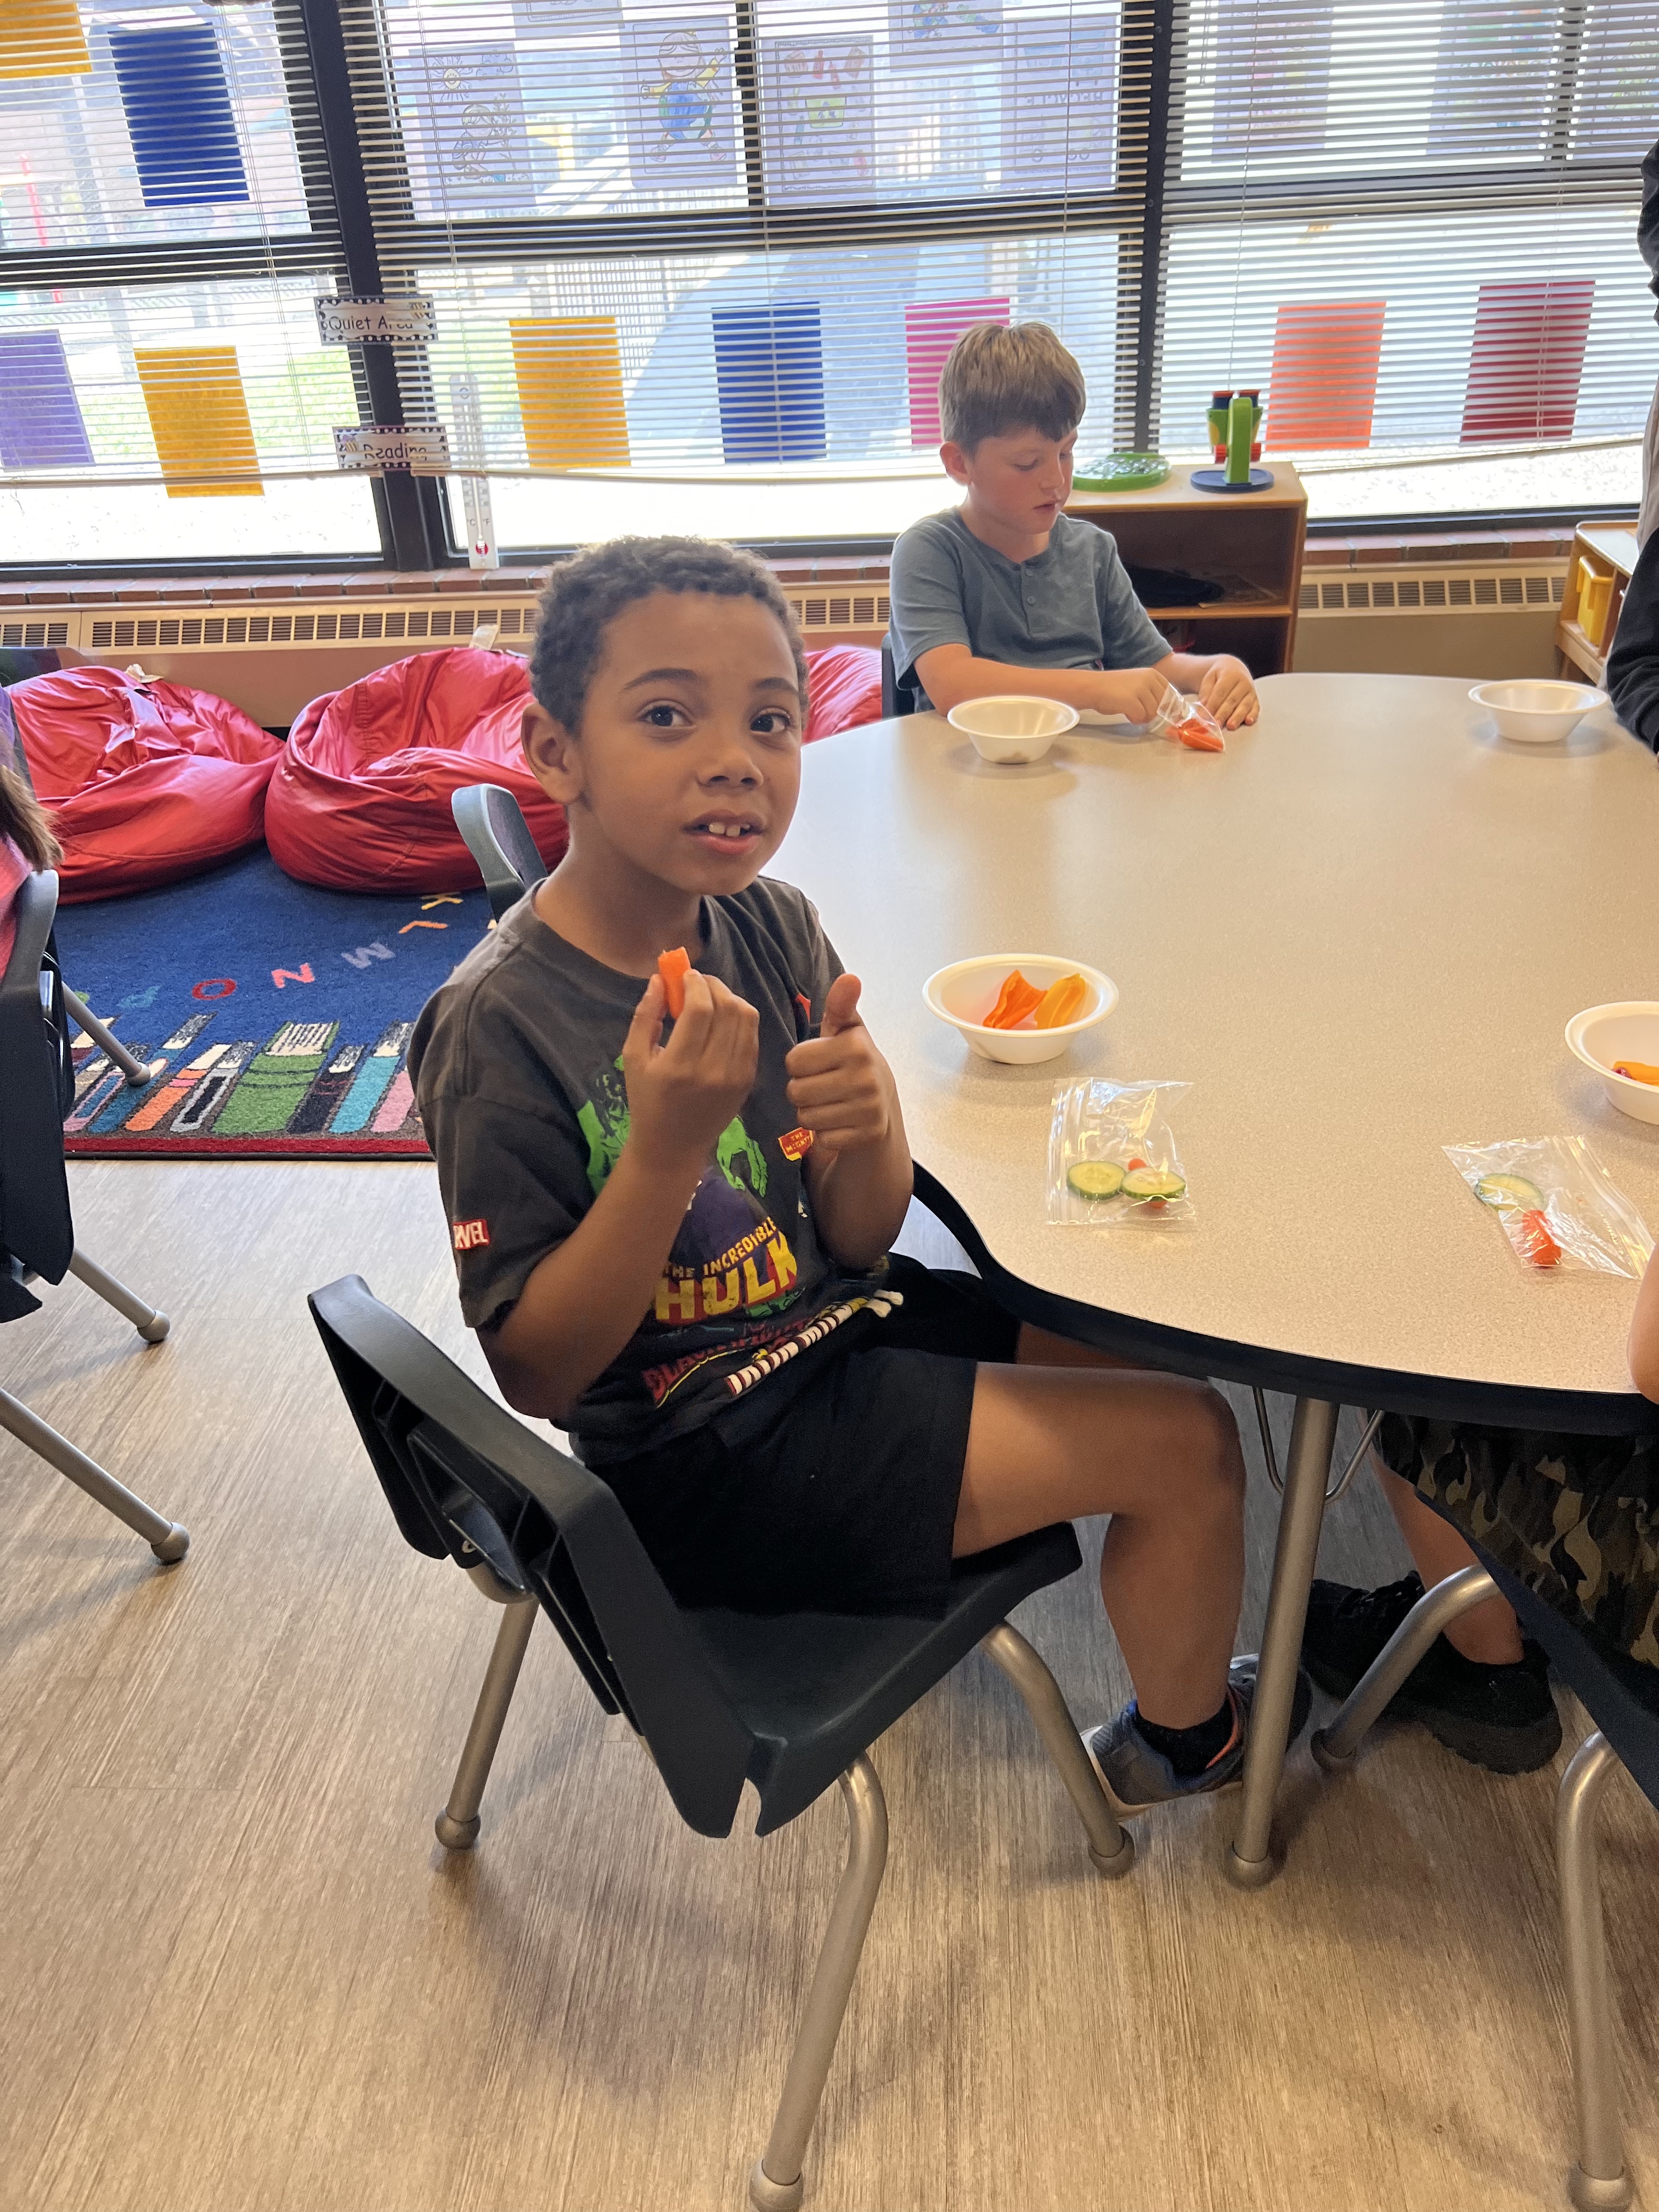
(1500, 1717)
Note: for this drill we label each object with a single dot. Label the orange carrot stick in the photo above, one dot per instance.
(674, 966)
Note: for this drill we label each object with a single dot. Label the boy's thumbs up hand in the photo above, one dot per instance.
(839, 1084)
(841, 1008)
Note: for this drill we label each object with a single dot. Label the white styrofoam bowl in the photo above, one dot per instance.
(1627, 1030)
(1010, 729)
(1535, 711)
(964, 993)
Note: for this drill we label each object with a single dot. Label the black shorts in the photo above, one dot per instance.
(844, 1499)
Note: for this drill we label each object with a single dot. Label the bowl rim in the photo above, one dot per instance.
(1104, 984)
(1591, 694)
(1013, 698)
(1613, 1010)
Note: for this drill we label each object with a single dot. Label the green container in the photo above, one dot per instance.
(1122, 472)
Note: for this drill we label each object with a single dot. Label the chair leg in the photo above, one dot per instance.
(81, 1015)
(1598, 2181)
(1334, 1748)
(1110, 1847)
(151, 1323)
(458, 1824)
(774, 2183)
(168, 1540)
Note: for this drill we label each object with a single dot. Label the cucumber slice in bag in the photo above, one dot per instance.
(1094, 1179)
(1153, 1183)
(1506, 1190)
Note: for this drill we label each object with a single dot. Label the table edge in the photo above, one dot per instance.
(1491, 1405)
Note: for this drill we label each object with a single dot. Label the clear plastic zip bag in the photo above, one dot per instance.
(1112, 1158)
(1556, 1204)
(1189, 722)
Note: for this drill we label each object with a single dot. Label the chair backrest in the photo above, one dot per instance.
(1620, 1694)
(498, 837)
(467, 1481)
(896, 698)
(36, 1226)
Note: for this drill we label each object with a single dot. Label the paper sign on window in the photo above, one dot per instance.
(943, 33)
(472, 150)
(682, 110)
(820, 119)
(1060, 103)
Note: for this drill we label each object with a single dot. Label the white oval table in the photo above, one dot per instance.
(1358, 935)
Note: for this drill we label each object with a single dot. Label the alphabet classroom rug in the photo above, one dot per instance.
(282, 1014)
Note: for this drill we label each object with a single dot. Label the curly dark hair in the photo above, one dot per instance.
(585, 593)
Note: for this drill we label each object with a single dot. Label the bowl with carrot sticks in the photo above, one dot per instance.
(1620, 1041)
(1020, 1007)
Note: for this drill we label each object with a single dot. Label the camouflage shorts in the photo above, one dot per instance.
(1575, 1518)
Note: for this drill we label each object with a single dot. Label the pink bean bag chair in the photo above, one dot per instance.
(361, 801)
(145, 783)
(843, 685)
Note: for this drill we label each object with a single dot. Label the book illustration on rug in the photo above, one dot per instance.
(299, 1082)
(276, 1016)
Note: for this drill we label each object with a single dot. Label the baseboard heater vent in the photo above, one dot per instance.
(1435, 591)
(415, 623)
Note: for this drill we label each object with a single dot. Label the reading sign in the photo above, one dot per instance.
(381, 446)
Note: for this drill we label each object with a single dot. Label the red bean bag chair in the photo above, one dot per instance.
(843, 688)
(361, 800)
(145, 783)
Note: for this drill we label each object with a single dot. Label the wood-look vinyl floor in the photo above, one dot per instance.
(239, 1972)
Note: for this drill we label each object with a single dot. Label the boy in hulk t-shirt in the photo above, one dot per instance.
(672, 1237)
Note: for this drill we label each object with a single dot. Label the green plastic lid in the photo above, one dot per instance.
(1122, 472)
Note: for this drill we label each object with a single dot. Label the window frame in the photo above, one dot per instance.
(336, 73)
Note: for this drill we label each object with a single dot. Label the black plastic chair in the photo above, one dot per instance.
(498, 837)
(790, 1703)
(1622, 1698)
(37, 1230)
(896, 698)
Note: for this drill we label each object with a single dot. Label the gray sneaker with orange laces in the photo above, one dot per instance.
(1137, 1777)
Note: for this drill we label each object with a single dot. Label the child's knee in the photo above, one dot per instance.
(1219, 1459)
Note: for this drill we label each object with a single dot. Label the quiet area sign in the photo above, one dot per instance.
(365, 319)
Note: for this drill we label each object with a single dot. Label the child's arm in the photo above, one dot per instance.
(951, 673)
(588, 1295)
(1642, 1348)
(858, 1168)
(1221, 681)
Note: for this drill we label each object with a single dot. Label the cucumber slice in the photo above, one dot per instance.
(1504, 1190)
(1153, 1183)
(1094, 1179)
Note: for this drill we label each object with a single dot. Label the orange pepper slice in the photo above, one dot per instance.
(1061, 1002)
(674, 967)
(1534, 1241)
(1638, 1070)
(1015, 1001)
(1199, 738)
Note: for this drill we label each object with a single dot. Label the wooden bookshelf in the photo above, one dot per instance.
(1606, 551)
(1249, 542)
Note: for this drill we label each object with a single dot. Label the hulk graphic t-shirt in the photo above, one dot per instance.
(516, 1064)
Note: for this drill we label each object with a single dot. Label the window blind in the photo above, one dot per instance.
(725, 246)
(681, 240)
(166, 218)
(1411, 226)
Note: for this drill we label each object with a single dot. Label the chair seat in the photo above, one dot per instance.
(816, 1689)
(1620, 1695)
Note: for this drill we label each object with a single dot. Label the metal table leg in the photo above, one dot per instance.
(1250, 1863)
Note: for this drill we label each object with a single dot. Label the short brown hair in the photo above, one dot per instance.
(1000, 379)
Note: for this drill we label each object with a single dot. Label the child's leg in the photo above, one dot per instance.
(1160, 1454)
(1490, 1635)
